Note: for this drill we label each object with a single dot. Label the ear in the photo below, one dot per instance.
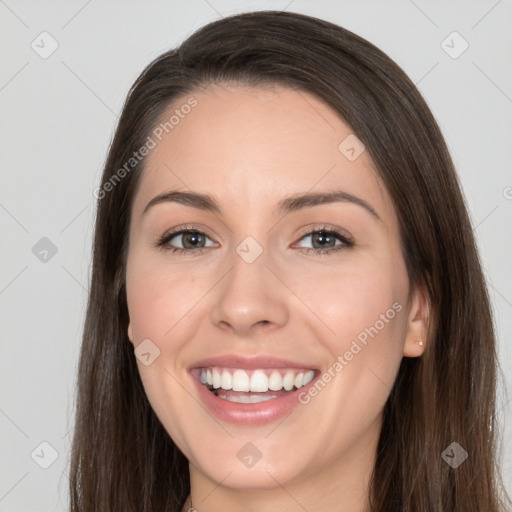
(130, 332)
(417, 324)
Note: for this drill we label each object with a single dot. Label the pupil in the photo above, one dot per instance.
(321, 237)
(190, 237)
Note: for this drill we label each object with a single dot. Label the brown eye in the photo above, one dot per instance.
(190, 239)
(324, 241)
(185, 240)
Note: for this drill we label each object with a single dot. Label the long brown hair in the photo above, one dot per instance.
(122, 458)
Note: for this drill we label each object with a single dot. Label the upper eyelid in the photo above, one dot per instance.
(325, 227)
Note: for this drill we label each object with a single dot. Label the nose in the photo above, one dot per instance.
(250, 297)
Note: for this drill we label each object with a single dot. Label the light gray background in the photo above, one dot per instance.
(57, 119)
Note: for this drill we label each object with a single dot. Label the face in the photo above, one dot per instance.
(297, 311)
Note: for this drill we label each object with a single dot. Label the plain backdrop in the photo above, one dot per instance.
(66, 69)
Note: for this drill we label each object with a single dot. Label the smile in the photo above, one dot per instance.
(251, 391)
(253, 386)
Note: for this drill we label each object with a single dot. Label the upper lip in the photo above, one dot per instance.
(249, 363)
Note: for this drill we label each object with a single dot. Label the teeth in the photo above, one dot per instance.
(308, 377)
(247, 399)
(240, 381)
(216, 378)
(226, 380)
(261, 398)
(288, 381)
(275, 382)
(260, 381)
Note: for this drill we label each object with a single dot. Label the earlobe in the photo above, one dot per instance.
(130, 333)
(417, 325)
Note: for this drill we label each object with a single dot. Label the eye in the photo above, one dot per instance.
(325, 239)
(191, 240)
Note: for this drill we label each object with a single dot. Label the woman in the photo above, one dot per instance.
(227, 365)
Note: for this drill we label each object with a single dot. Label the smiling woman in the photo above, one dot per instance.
(287, 310)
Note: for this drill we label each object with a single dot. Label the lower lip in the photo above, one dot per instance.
(259, 413)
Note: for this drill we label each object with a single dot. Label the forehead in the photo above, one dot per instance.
(250, 146)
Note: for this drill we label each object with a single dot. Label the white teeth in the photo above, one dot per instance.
(216, 378)
(308, 377)
(240, 381)
(259, 381)
(226, 380)
(247, 399)
(241, 399)
(275, 381)
(288, 381)
(261, 398)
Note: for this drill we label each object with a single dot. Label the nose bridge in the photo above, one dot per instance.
(249, 294)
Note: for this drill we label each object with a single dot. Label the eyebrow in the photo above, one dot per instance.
(289, 204)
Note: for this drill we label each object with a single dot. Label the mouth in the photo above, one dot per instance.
(252, 397)
(253, 386)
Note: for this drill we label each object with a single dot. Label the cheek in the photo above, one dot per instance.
(158, 297)
(366, 313)
(158, 300)
(361, 311)
(356, 303)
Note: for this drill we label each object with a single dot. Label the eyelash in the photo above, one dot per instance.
(346, 240)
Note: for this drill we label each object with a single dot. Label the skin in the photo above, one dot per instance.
(249, 148)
